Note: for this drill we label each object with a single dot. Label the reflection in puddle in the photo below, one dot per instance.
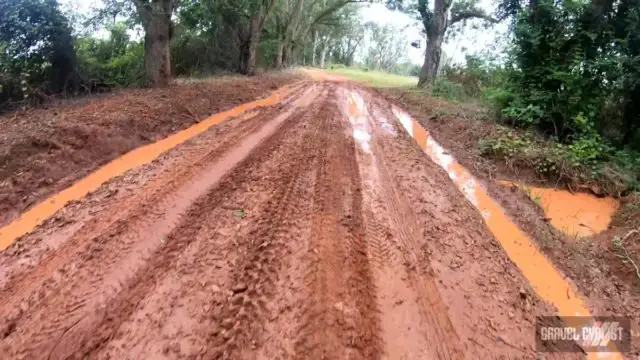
(577, 215)
(357, 113)
(548, 283)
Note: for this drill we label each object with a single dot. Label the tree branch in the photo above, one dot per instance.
(471, 14)
(337, 6)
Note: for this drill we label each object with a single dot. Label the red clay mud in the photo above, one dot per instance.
(43, 151)
(311, 229)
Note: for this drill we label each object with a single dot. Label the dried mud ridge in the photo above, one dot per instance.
(314, 229)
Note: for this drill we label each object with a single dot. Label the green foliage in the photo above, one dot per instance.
(478, 78)
(587, 160)
(37, 52)
(498, 98)
(115, 61)
(574, 69)
(527, 115)
(587, 150)
(449, 90)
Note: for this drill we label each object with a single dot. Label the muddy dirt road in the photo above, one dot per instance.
(314, 228)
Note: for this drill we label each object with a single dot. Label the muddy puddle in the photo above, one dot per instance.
(543, 277)
(577, 215)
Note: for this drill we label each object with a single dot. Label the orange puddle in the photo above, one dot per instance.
(137, 157)
(548, 283)
(577, 215)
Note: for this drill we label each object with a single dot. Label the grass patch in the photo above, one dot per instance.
(376, 79)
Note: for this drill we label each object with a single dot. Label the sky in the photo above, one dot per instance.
(470, 41)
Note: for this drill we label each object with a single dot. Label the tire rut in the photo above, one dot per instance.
(339, 319)
(72, 303)
(211, 242)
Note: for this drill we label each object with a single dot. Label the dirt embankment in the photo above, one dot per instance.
(594, 264)
(43, 151)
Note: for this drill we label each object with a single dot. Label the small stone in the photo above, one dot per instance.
(241, 287)
(227, 323)
(523, 292)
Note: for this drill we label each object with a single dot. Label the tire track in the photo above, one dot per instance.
(215, 240)
(379, 238)
(18, 261)
(86, 304)
(81, 243)
(440, 333)
(339, 319)
(267, 247)
(403, 285)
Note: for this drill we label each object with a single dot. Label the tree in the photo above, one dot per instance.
(330, 22)
(287, 24)
(436, 22)
(38, 54)
(251, 34)
(577, 64)
(351, 39)
(386, 47)
(155, 16)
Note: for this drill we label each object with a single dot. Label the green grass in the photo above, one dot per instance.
(375, 78)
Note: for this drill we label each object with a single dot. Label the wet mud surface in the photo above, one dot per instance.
(606, 282)
(45, 150)
(315, 228)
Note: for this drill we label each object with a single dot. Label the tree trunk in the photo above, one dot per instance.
(432, 56)
(250, 46)
(286, 55)
(304, 56)
(156, 19)
(314, 48)
(157, 55)
(323, 54)
(65, 75)
(435, 30)
(280, 55)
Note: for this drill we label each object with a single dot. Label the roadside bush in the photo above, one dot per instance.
(37, 58)
(448, 90)
(498, 98)
(577, 65)
(587, 162)
(115, 61)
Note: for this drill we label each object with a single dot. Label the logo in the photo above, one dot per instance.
(577, 334)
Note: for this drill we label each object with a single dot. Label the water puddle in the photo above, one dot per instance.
(137, 157)
(548, 283)
(357, 113)
(575, 214)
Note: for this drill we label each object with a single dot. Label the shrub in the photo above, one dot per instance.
(497, 98)
(588, 160)
(448, 90)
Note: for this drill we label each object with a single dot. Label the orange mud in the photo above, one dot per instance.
(575, 214)
(537, 269)
(140, 156)
(351, 244)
